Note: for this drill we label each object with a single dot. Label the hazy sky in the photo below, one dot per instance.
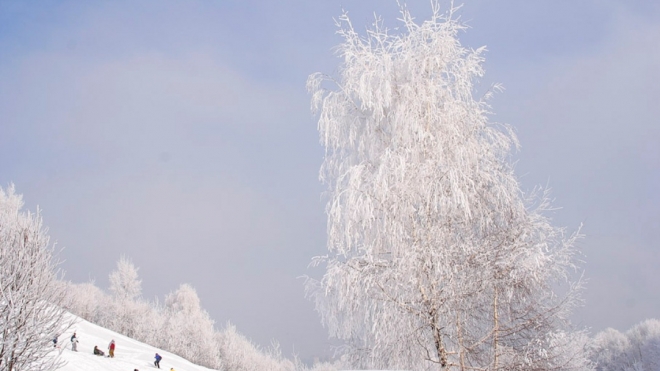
(179, 134)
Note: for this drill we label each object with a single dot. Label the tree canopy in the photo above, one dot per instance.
(437, 258)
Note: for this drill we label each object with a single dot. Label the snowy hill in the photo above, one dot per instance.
(129, 354)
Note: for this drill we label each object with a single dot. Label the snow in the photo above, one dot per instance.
(129, 354)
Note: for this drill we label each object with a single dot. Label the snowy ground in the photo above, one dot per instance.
(129, 354)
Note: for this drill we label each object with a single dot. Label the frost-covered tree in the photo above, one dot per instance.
(87, 301)
(126, 289)
(189, 329)
(610, 351)
(124, 311)
(437, 259)
(636, 350)
(152, 319)
(180, 326)
(124, 281)
(645, 344)
(240, 354)
(30, 294)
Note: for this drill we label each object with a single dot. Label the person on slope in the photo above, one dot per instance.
(74, 342)
(55, 341)
(157, 361)
(111, 348)
(98, 351)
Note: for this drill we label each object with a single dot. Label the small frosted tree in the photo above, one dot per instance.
(645, 343)
(148, 329)
(126, 289)
(31, 297)
(87, 301)
(437, 259)
(239, 354)
(124, 281)
(636, 350)
(610, 351)
(188, 328)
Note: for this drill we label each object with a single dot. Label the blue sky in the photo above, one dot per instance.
(180, 135)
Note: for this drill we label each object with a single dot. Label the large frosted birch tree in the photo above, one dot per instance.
(437, 260)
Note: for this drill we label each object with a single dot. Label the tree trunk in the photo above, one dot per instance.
(459, 331)
(437, 338)
(495, 329)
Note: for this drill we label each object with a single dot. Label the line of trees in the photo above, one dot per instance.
(35, 303)
(33, 299)
(180, 325)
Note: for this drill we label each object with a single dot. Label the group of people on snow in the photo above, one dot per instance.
(99, 352)
(111, 350)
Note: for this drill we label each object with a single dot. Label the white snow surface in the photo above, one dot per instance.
(130, 354)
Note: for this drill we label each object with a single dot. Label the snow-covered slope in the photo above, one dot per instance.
(129, 354)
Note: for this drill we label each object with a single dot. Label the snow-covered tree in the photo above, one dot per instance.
(87, 301)
(30, 294)
(636, 350)
(437, 259)
(125, 311)
(152, 319)
(124, 281)
(126, 288)
(610, 350)
(188, 328)
(645, 344)
(239, 354)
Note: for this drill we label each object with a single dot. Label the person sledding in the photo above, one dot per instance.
(98, 351)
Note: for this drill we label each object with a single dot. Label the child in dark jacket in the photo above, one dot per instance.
(98, 351)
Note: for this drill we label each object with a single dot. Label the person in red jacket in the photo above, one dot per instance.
(111, 349)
